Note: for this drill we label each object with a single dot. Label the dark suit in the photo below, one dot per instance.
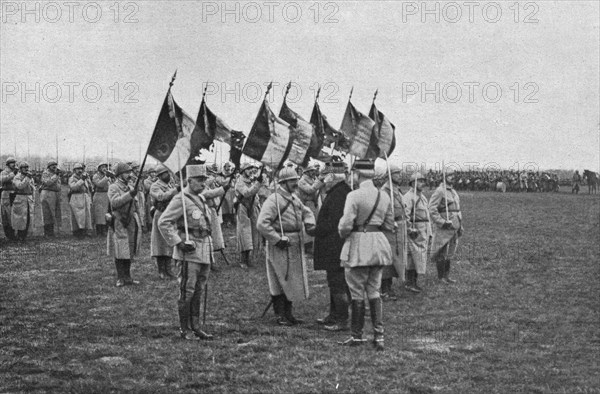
(328, 246)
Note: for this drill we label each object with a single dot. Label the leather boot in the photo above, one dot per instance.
(245, 259)
(120, 273)
(48, 230)
(9, 232)
(195, 307)
(279, 309)
(288, 312)
(415, 279)
(356, 324)
(168, 268)
(185, 327)
(160, 263)
(376, 307)
(440, 264)
(447, 272)
(127, 272)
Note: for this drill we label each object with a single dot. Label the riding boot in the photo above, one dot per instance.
(447, 272)
(98, 230)
(288, 312)
(440, 264)
(245, 259)
(415, 278)
(168, 268)
(185, 326)
(279, 309)
(160, 263)
(9, 232)
(356, 324)
(195, 318)
(48, 230)
(120, 272)
(413, 281)
(127, 272)
(376, 307)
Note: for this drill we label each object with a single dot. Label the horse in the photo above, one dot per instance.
(591, 179)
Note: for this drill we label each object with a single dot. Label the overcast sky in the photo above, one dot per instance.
(518, 84)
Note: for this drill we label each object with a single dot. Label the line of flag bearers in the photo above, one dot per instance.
(363, 238)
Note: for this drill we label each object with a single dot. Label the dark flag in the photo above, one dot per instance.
(236, 143)
(358, 128)
(383, 139)
(302, 132)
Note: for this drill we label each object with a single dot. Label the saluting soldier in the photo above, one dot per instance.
(101, 181)
(150, 179)
(193, 256)
(444, 210)
(286, 262)
(125, 233)
(397, 240)
(20, 215)
(8, 195)
(328, 245)
(419, 231)
(366, 250)
(228, 212)
(161, 193)
(247, 205)
(50, 198)
(80, 201)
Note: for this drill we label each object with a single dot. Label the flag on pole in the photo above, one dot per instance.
(269, 139)
(171, 141)
(302, 132)
(210, 128)
(237, 143)
(357, 128)
(383, 139)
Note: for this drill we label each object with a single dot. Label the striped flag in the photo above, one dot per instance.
(269, 140)
(383, 139)
(210, 128)
(358, 128)
(302, 132)
(171, 141)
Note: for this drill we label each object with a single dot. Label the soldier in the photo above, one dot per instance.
(444, 210)
(194, 255)
(328, 245)
(135, 167)
(397, 240)
(8, 195)
(80, 201)
(124, 234)
(309, 190)
(161, 193)
(50, 198)
(246, 188)
(101, 181)
(576, 182)
(228, 213)
(216, 188)
(286, 262)
(150, 179)
(20, 214)
(419, 231)
(366, 249)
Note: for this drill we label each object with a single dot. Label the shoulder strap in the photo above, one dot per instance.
(374, 208)
(285, 207)
(202, 208)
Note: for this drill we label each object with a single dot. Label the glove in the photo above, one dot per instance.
(413, 233)
(133, 192)
(178, 188)
(283, 243)
(260, 178)
(447, 226)
(186, 247)
(310, 230)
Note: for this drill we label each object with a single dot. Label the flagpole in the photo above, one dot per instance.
(185, 220)
(56, 141)
(444, 179)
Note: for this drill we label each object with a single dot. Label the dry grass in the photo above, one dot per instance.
(522, 318)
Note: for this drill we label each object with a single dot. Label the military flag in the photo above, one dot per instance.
(383, 139)
(358, 128)
(301, 133)
(269, 140)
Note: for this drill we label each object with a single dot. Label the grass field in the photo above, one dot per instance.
(523, 317)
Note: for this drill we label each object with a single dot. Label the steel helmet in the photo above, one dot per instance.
(287, 174)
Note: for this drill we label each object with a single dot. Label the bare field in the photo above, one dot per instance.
(523, 317)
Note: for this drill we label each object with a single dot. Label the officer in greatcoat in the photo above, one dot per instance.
(419, 231)
(194, 255)
(50, 198)
(125, 232)
(396, 239)
(366, 250)
(101, 181)
(328, 245)
(283, 220)
(20, 214)
(444, 210)
(8, 195)
(247, 209)
(161, 193)
(80, 201)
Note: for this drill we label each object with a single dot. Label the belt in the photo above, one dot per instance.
(291, 231)
(50, 190)
(420, 221)
(78, 192)
(196, 232)
(23, 194)
(101, 190)
(450, 210)
(370, 228)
